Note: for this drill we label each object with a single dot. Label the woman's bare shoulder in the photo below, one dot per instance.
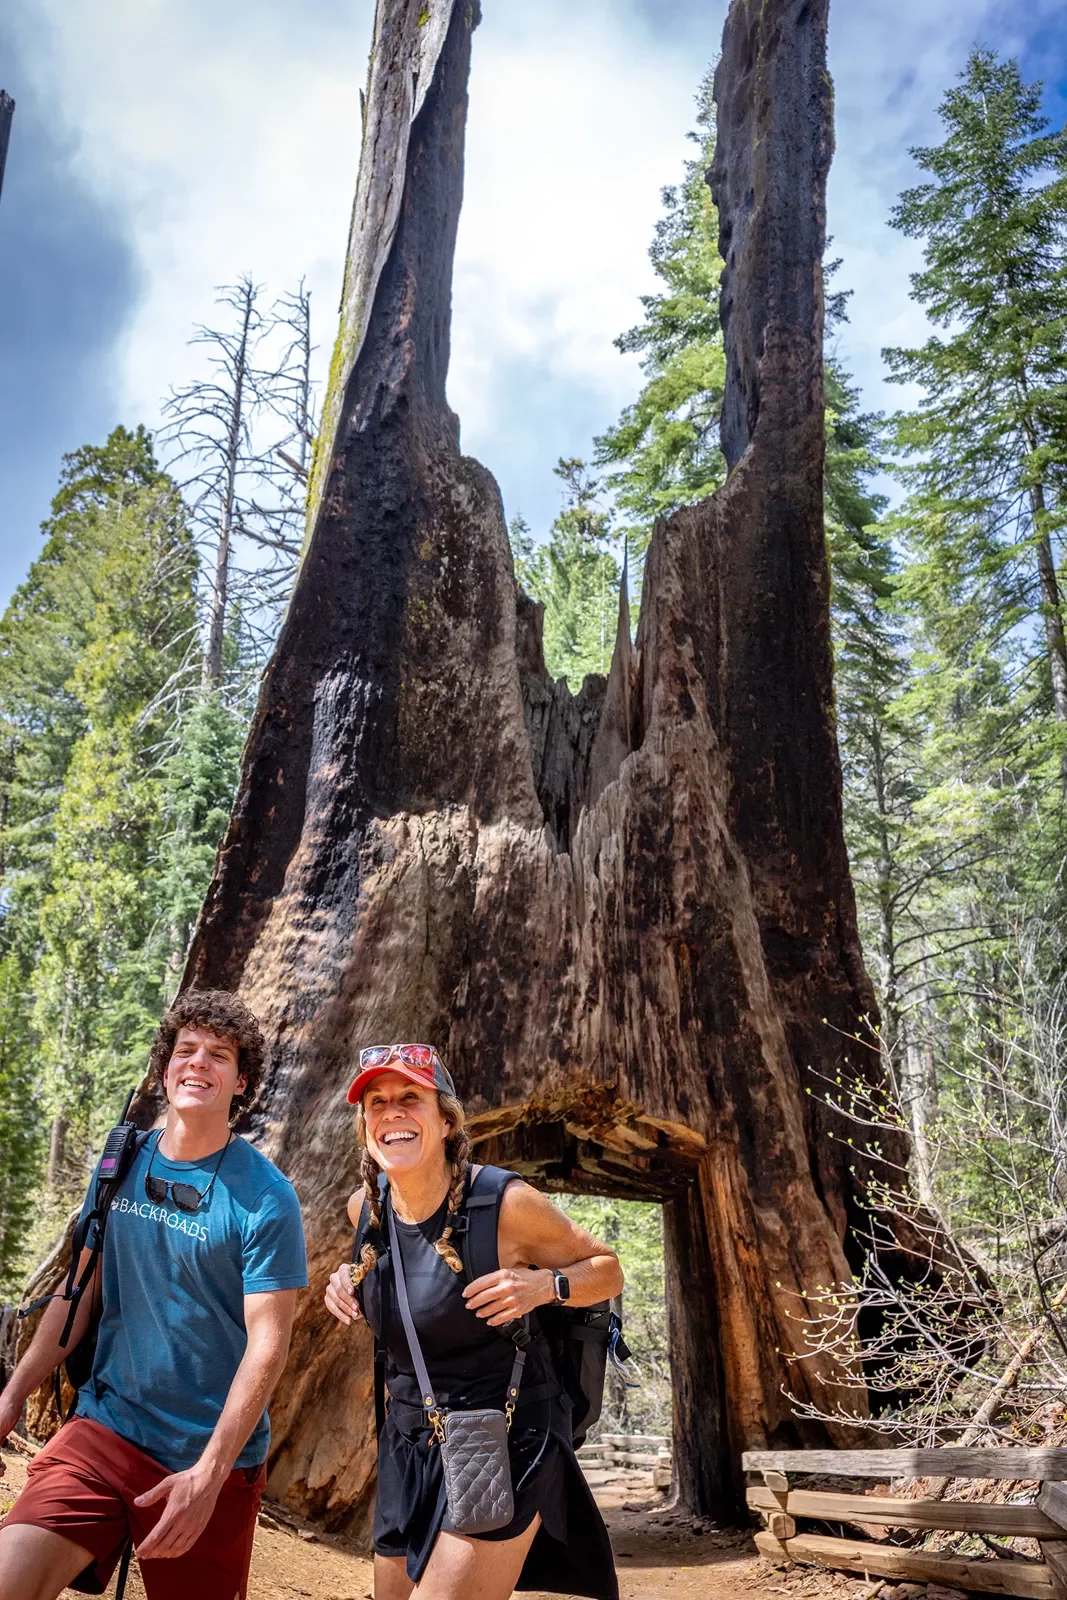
(356, 1202)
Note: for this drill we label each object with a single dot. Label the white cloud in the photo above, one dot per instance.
(229, 137)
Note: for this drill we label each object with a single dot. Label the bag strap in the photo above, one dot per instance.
(106, 1189)
(425, 1386)
(95, 1219)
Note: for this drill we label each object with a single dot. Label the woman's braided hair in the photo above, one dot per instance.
(457, 1154)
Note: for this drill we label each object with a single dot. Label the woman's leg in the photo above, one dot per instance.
(460, 1567)
(391, 1581)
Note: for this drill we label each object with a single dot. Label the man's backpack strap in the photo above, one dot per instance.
(124, 1144)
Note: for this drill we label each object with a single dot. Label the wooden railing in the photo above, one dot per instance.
(1044, 1519)
(648, 1450)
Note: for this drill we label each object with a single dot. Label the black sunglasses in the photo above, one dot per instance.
(185, 1197)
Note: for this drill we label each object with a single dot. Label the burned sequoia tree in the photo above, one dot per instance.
(625, 916)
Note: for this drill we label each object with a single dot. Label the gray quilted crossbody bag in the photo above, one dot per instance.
(474, 1444)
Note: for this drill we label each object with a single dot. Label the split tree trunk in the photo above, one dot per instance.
(625, 916)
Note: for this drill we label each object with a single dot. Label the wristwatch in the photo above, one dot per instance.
(563, 1287)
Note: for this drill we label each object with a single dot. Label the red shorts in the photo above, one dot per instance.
(83, 1485)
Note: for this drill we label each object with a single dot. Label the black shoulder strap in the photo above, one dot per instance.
(94, 1221)
(478, 1235)
(485, 1190)
(98, 1213)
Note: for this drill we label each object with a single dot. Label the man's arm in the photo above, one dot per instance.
(191, 1495)
(46, 1352)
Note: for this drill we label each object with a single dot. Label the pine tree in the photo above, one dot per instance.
(985, 453)
(198, 787)
(575, 577)
(21, 1120)
(664, 450)
(98, 988)
(97, 658)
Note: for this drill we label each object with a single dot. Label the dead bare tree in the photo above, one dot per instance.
(219, 432)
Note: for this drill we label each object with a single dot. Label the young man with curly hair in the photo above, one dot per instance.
(203, 1256)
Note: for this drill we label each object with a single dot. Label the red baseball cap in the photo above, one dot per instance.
(419, 1062)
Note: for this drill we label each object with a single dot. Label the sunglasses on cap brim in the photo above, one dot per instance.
(421, 1056)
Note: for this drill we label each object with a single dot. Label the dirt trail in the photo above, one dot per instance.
(659, 1556)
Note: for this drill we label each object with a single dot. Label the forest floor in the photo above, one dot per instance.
(660, 1555)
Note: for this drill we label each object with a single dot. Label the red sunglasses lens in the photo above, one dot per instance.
(417, 1055)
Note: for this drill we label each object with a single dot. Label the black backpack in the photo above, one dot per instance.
(579, 1339)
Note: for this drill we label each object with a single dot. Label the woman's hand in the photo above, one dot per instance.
(340, 1298)
(502, 1296)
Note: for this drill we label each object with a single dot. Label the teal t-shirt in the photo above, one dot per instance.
(172, 1329)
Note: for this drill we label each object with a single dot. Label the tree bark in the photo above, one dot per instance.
(57, 1150)
(625, 915)
(1051, 603)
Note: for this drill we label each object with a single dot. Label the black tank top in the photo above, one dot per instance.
(469, 1363)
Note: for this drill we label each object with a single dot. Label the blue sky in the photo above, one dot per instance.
(160, 150)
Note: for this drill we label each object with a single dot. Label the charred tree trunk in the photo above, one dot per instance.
(7, 112)
(625, 915)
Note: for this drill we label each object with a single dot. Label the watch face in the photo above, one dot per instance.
(563, 1287)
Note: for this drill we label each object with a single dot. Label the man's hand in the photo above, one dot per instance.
(340, 1300)
(190, 1497)
(501, 1296)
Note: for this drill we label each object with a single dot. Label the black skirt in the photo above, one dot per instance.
(570, 1553)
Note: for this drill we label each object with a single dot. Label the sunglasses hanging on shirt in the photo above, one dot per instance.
(184, 1196)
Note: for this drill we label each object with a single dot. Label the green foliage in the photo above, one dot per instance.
(198, 788)
(575, 577)
(97, 665)
(953, 746)
(97, 992)
(21, 1134)
(634, 1230)
(664, 450)
(984, 454)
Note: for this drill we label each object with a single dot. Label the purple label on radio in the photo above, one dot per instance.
(108, 1164)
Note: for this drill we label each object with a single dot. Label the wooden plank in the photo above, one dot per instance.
(770, 1546)
(781, 1526)
(955, 1516)
(620, 1458)
(635, 1441)
(776, 1482)
(1055, 1554)
(984, 1461)
(1053, 1502)
(1032, 1580)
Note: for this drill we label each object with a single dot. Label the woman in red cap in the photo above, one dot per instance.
(416, 1167)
